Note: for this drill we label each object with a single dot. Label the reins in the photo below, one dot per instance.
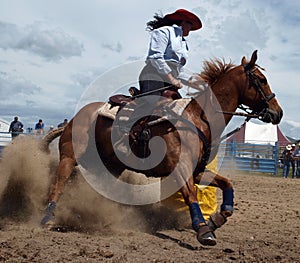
(227, 135)
(248, 115)
(150, 92)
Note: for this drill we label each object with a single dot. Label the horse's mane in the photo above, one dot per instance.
(213, 69)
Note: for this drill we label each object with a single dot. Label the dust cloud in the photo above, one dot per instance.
(26, 174)
(24, 179)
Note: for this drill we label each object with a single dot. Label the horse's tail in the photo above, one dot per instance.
(50, 137)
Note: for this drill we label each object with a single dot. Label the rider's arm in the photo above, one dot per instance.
(158, 45)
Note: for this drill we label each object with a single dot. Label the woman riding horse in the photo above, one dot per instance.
(188, 144)
(168, 51)
(165, 64)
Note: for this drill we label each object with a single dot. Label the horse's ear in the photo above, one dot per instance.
(244, 61)
(250, 64)
(253, 58)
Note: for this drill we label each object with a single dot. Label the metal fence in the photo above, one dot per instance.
(249, 157)
(5, 139)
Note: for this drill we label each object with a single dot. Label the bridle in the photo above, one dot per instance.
(260, 109)
(256, 82)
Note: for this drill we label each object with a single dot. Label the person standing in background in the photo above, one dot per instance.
(297, 161)
(51, 128)
(287, 157)
(16, 127)
(63, 124)
(39, 128)
(293, 164)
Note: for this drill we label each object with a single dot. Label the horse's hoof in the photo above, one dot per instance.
(216, 220)
(49, 225)
(206, 237)
(48, 221)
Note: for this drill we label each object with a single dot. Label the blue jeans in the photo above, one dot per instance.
(298, 169)
(292, 162)
(286, 168)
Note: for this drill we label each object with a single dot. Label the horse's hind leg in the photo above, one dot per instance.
(218, 219)
(63, 173)
(74, 139)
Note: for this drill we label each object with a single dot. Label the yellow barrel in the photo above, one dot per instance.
(206, 195)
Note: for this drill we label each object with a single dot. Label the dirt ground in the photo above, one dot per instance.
(265, 226)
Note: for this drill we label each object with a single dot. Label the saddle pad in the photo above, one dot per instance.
(108, 111)
(177, 106)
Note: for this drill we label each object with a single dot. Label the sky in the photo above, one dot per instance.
(51, 52)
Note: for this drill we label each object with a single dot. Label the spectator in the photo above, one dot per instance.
(293, 161)
(16, 127)
(39, 128)
(51, 128)
(63, 124)
(297, 160)
(287, 156)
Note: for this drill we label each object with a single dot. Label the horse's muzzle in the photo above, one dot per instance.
(269, 115)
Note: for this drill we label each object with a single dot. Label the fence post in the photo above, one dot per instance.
(233, 148)
(276, 149)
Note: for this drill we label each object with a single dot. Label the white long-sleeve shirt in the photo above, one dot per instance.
(168, 45)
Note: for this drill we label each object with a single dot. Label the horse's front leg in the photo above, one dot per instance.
(204, 234)
(226, 209)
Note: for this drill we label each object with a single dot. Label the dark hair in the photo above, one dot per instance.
(160, 21)
(40, 120)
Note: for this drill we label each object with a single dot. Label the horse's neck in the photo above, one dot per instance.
(226, 91)
(224, 98)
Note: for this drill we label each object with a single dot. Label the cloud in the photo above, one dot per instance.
(290, 128)
(231, 29)
(51, 44)
(115, 48)
(13, 86)
(21, 97)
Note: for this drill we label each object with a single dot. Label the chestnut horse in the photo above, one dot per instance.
(187, 146)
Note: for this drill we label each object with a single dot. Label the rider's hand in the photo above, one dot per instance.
(175, 82)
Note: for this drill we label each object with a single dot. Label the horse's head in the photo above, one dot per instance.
(257, 94)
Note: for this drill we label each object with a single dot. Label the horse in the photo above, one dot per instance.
(189, 142)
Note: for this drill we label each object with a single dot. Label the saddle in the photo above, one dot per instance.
(121, 99)
(140, 133)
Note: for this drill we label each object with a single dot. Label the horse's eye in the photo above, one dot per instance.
(263, 81)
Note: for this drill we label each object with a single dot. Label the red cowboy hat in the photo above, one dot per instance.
(182, 14)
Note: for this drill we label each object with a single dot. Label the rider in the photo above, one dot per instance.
(167, 56)
(168, 51)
